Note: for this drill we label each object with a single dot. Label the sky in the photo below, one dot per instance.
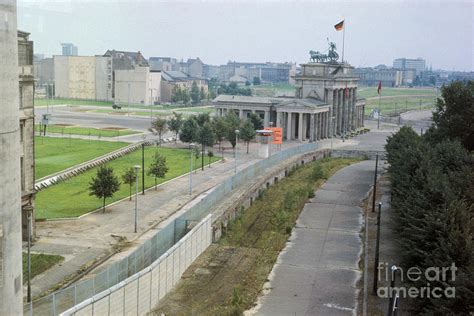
(376, 32)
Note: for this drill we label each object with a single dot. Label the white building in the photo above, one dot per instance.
(419, 64)
(137, 86)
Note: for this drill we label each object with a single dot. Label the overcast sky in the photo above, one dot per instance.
(442, 32)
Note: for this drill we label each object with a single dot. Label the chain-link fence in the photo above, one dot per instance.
(139, 293)
(152, 249)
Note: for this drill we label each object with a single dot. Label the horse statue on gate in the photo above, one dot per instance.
(331, 56)
(317, 57)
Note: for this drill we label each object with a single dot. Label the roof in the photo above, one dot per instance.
(174, 75)
(249, 99)
(304, 103)
(133, 56)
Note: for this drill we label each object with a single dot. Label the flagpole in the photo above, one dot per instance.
(378, 117)
(343, 38)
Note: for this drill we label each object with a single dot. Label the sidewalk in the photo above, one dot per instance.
(316, 274)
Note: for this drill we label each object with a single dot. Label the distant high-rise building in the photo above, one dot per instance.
(69, 49)
(418, 64)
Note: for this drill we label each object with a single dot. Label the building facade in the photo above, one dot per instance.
(173, 79)
(418, 64)
(69, 49)
(83, 77)
(325, 104)
(137, 86)
(27, 124)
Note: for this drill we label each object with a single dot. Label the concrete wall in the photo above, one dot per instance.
(141, 80)
(137, 79)
(103, 78)
(61, 76)
(82, 77)
(11, 293)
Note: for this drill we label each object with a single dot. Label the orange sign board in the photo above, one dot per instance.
(277, 134)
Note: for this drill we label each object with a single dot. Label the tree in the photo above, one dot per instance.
(175, 123)
(256, 81)
(189, 130)
(129, 178)
(104, 184)
(247, 132)
(247, 83)
(197, 154)
(210, 154)
(203, 95)
(256, 120)
(232, 123)
(219, 127)
(203, 118)
(205, 137)
(176, 94)
(158, 167)
(195, 95)
(453, 117)
(159, 126)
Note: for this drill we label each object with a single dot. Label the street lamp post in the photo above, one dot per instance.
(128, 107)
(29, 211)
(235, 149)
(191, 147)
(332, 130)
(136, 167)
(151, 103)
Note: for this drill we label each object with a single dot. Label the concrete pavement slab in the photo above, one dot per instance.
(326, 241)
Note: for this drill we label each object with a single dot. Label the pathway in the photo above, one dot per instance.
(317, 272)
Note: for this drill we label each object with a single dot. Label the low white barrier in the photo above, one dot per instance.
(139, 293)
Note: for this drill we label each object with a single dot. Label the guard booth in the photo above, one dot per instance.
(265, 139)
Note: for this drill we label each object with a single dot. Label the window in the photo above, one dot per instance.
(21, 96)
(22, 133)
(22, 171)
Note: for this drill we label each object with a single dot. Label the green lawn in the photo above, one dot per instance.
(71, 198)
(45, 102)
(197, 110)
(399, 104)
(56, 154)
(39, 263)
(90, 131)
(272, 90)
(369, 92)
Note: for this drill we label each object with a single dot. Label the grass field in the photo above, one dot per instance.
(392, 106)
(197, 110)
(71, 198)
(370, 92)
(45, 102)
(89, 131)
(39, 264)
(56, 154)
(273, 90)
(233, 271)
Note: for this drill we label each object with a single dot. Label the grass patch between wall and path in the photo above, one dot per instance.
(228, 277)
(39, 263)
(53, 154)
(71, 198)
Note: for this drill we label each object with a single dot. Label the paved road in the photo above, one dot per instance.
(316, 273)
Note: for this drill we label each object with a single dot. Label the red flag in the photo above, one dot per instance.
(379, 89)
(339, 26)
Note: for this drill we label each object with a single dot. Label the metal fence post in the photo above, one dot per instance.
(377, 250)
(54, 304)
(393, 300)
(375, 183)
